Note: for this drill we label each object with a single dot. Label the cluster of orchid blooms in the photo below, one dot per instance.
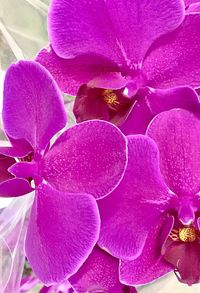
(117, 196)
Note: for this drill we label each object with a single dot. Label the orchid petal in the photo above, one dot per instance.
(71, 74)
(120, 30)
(109, 80)
(14, 187)
(33, 109)
(62, 232)
(19, 148)
(24, 170)
(90, 157)
(174, 59)
(150, 265)
(14, 152)
(151, 102)
(176, 133)
(98, 273)
(193, 8)
(189, 2)
(138, 118)
(133, 207)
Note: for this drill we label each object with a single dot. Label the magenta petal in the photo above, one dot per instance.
(14, 187)
(100, 272)
(133, 207)
(119, 30)
(193, 8)
(151, 102)
(71, 74)
(90, 157)
(189, 2)
(138, 118)
(174, 59)
(167, 99)
(24, 170)
(109, 80)
(177, 136)
(20, 148)
(62, 232)
(150, 265)
(33, 108)
(14, 152)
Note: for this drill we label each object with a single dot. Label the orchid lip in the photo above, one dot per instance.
(181, 244)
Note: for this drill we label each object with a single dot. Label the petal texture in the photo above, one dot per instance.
(189, 2)
(133, 207)
(90, 157)
(32, 109)
(14, 152)
(119, 30)
(14, 187)
(71, 74)
(177, 136)
(62, 231)
(150, 265)
(193, 8)
(151, 102)
(174, 59)
(98, 273)
(24, 170)
(20, 148)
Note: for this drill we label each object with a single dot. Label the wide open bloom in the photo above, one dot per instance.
(152, 220)
(109, 50)
(85, 163)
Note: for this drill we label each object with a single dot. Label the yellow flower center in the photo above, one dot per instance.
(110, 98)
(187, 234)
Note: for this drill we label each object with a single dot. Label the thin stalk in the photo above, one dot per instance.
(39, 5)
(11, 42)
